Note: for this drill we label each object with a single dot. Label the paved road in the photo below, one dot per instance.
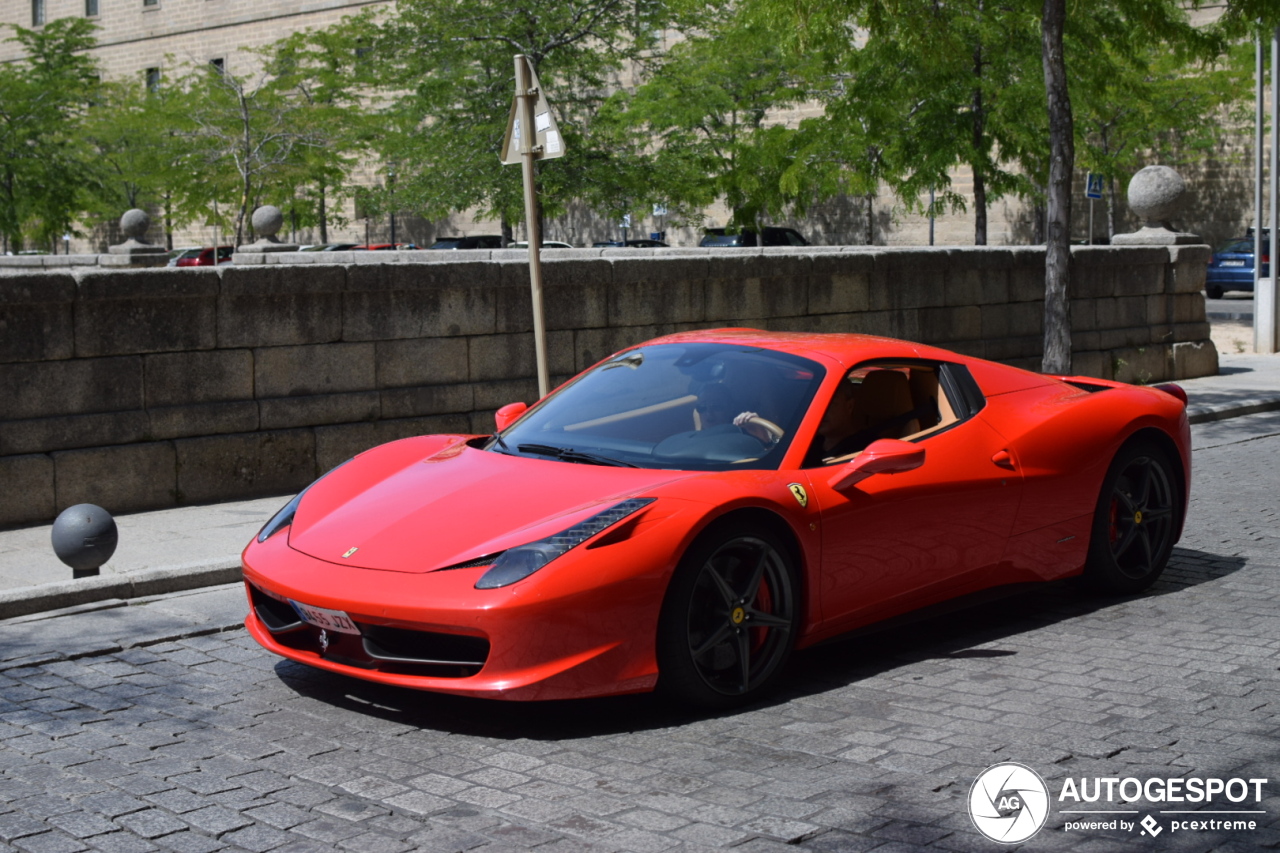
(1232, 306)
(141, 742)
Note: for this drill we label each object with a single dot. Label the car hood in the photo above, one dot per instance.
(393, 509)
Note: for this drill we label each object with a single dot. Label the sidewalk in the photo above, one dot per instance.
(193, 547)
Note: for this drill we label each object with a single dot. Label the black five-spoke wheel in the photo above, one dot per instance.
(1136, 522)
(729, 620)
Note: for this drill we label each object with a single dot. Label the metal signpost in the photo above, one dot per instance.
(1093, 191)
(529, 109)
(1266, 311)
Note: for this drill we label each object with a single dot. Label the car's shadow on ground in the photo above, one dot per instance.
(973, 631)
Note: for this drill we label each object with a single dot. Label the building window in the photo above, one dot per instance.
(151, 4)
(37, 13)
(91, 8)
(153, 79)
(219, 65)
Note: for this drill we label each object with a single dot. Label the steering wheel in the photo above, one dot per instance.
(761, 429)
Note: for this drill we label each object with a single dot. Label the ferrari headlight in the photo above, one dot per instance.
(518, 563)
(284, 517)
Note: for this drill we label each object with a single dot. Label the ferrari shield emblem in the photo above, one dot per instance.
(349, 553)
(798, 492)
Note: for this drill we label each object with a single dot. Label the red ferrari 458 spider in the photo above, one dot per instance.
(685, 513)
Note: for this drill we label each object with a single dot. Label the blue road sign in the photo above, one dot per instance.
(1094, 189)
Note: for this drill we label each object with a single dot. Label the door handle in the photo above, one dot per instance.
(1003, 459)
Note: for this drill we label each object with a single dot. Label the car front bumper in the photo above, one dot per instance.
(576, 632)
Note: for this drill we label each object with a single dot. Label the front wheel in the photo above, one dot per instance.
(1213, 291)
(1136, 520)
(729, 619)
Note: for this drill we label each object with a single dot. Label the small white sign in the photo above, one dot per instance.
(659, 210)
(553, 142)
(541, 122)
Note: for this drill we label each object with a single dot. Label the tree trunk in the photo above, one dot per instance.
(979, 154)
(1037, 226)
(508, 233)
(168, 221)
(324, 217)
(871, 219)
(1057, 261)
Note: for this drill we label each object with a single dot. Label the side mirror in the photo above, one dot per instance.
(886, 456)
(509, 414)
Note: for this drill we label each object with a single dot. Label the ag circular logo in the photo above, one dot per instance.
(1008, 802)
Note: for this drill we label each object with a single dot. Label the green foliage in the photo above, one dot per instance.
(44, 168)
(446, 68)
(706, 122)
(911, 89)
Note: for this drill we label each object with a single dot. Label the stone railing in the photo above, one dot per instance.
(138, 389)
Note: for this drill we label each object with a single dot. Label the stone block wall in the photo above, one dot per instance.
(141, 389)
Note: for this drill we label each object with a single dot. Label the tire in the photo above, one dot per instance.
(1213, 291)
(729, 619)
(1136, 520)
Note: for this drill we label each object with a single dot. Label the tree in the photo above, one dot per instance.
(327, 74)
(249, 134)
(921, 88)
(140, 157)
(446, 68)
(707, 116)
(43, 100)
(1057, 260)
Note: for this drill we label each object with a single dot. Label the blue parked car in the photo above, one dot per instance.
(1232, 268)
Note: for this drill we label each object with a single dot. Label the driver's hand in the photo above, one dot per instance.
(744, 418)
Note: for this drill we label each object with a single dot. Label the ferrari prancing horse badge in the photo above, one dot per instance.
(798, 492)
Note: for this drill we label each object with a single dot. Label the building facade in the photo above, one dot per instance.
(149, 39)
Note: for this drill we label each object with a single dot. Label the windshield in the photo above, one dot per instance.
(446, 244)
(695, 406)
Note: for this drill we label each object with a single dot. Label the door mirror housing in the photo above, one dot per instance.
(886, 456)
(509, 414)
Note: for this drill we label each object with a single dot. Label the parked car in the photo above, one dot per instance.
(384, 247)
(174, 254)
(204, 257)
(1232, 267)
(475, 241)
(686, 512)
(330, 247)
(634, 244)
(546, 244)
(771, 236)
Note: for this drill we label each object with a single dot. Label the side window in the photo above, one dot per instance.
(903, 400)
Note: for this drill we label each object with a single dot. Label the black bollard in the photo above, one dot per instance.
(84, 537)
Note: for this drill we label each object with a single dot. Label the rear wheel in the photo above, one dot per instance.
(729, 619)
(1213, 291)
(1136, 520)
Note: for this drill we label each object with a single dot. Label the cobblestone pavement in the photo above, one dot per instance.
(207, 743)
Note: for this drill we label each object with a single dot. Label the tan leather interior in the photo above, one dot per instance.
(887, 392)
(883, 396)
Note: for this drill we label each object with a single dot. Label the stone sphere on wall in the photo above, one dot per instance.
(1157, 194)
(135, 223)
(267, 220)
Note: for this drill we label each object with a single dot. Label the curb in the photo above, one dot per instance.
(1234, 409)
(24, 601)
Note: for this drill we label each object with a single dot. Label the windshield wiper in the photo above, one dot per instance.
(502, 444)
(568, 454)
